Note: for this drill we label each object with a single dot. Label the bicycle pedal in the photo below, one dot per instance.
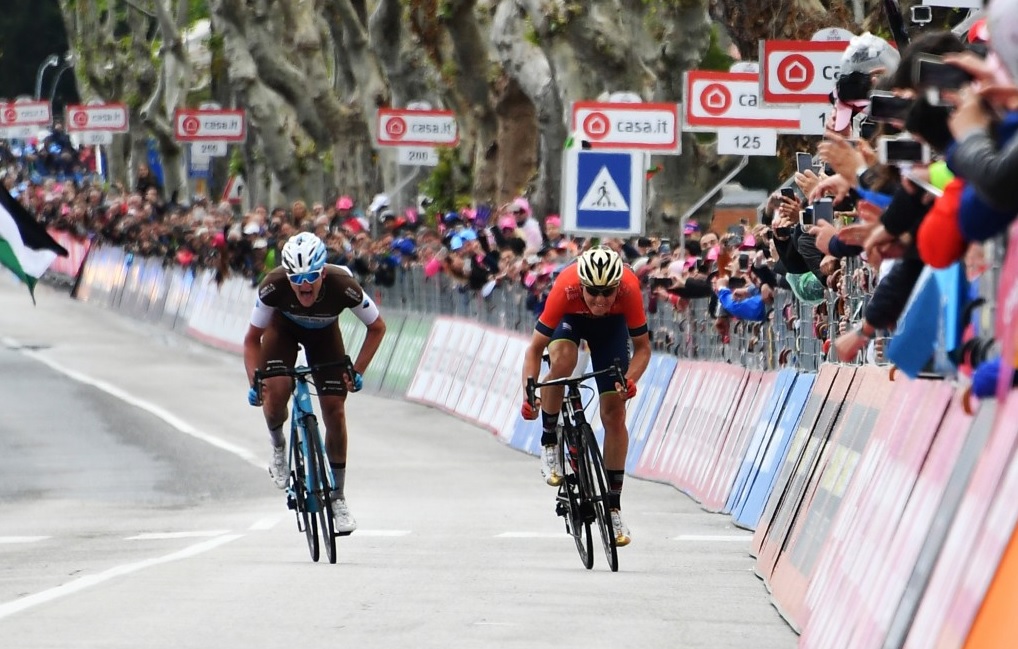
(343, 533)
(291, 502)
(561, 509)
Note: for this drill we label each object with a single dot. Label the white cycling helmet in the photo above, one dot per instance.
(600, 266)
(304, 253)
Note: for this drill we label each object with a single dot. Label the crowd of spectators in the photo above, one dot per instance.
(852, 232)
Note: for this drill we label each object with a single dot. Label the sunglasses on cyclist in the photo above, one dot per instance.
(304, 278)
(599, 291)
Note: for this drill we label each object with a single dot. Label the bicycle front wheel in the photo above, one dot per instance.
(322, 487)
(596, 488)
(577, 525)
(306, 522)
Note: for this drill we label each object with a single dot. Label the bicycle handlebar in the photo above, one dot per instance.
(533, 384)
(298, 372)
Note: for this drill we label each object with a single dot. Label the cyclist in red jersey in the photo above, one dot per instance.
(597, 299)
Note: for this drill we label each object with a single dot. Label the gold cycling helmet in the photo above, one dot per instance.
(600, 267)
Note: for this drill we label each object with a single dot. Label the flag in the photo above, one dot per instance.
(25, 246)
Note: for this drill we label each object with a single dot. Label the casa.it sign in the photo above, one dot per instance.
(417, 128)
(799, 72)
(97, 117)
(732, 100)
(628, 126)
(206, 124)
(25, 113)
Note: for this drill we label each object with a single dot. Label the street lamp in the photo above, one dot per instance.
(51, 61)
(68, 64)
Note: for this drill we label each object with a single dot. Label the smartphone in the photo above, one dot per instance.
(823, 210)
(897, 151)
(926, 186)
(744, 262)
(931, 72)
(803, 162)
(788, 192)
(806, 220)
(867, 129)
(662, 282)
(887, 107)
(922, 14)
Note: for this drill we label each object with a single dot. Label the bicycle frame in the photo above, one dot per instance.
(301, 406)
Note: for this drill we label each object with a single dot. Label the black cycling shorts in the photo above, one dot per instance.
(607, 338)
(325, 345)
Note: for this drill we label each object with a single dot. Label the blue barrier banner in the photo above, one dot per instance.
(765, 427)
(647, 404)
(765, 472)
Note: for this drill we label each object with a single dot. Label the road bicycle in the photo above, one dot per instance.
(310, 483)
(582, 497)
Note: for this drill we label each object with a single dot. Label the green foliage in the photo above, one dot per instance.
(197, 9)
(530, 32)
(237, 165)
(716, 58)
(449, 184)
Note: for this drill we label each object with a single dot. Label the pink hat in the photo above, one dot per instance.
(553, 219)
(507, 223)
(219, 240)
(748, 242)
(712, 254)
(521, 205)
(432, 267)
(344, 203)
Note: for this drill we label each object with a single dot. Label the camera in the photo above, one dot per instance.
(885, 107)
(898, 151)
(922, 14)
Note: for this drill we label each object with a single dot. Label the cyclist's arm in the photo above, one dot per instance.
(252, 351)
(532, 357)
(261, 316)
(641, 357)
(367, 312)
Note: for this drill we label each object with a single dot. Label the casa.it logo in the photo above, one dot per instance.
(795, 72)
(10, 115)
(716, 99)
(396, 128)
(191, 125)
(597, 126)
(80, 118)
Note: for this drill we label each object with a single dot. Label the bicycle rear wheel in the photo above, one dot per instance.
(298, 482)
(597, 485)
(322, 487)
(569, 500)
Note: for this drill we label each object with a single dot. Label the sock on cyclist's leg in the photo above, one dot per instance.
(339, 476)
(615, 479)
(277, 436)
(549, 422)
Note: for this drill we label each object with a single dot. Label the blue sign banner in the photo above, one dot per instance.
(602, 192)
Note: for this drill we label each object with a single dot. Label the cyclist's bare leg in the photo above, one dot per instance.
(334, 414)
(616, 436)
(275, 400)
(563, 355)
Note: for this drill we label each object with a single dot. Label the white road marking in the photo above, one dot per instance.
(43, 597)
(21, 539)
(154, 536)
(531, 535)
(266, 523)
(147, 406)
(712, 538)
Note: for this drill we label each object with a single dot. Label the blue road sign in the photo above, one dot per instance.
(603, 192)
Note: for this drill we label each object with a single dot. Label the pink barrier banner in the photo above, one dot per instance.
(77, 249)
(977, 539)
(1007, 316)
(819, 503)
(786, 500)
(870, 529)
(707, 424)
(717, 488)
(648, 467)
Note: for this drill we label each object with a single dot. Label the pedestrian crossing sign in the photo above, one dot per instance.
(602, 192)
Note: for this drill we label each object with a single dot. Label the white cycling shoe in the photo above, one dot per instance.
(344, 521)
(551, 469)
(279, 470)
